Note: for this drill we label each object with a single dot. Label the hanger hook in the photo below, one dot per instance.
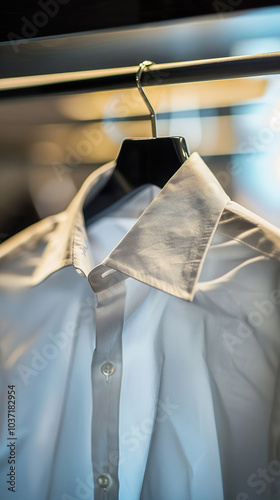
(142, 67)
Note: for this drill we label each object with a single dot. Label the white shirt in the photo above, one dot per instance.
(151, 373)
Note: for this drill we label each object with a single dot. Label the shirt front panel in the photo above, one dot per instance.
(199, 380)
(47, 345)
(46, 351)
(205, 380)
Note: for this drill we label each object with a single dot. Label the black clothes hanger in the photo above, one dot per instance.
(140, 162)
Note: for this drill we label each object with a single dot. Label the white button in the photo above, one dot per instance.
(107, 369)
(104, 481)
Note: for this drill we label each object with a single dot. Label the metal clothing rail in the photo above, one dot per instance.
(124, 78)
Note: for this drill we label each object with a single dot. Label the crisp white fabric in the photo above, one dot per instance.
(195, 342)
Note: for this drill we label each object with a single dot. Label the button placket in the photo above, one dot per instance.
(106, 385)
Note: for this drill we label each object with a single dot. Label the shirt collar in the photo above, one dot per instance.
(165, 248)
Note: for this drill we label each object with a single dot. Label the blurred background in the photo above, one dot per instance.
(49, 145)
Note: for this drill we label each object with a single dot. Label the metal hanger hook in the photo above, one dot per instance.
(142, 67)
